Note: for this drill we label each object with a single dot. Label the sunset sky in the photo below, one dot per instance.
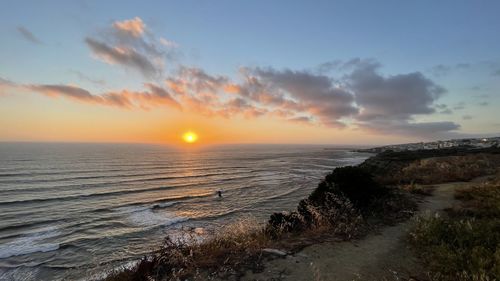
(319, 72)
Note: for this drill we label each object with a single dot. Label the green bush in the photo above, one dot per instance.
(338, 203)
(353, 182)
(458, 249)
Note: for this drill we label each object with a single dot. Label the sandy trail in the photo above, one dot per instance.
(378, 256)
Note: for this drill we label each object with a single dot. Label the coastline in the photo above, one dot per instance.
(293, 240)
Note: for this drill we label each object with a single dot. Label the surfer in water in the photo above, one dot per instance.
(219, 193)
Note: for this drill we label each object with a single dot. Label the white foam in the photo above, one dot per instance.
(101, 273)
(144, 216)
(31, 243)
(166, 204)
(19, 274)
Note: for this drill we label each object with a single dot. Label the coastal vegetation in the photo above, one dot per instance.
(347, 204)
(432, 166)
(340, 208)
(464, 243)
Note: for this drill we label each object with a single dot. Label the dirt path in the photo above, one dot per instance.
(379, 256)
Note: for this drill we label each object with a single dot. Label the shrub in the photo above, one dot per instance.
(353, 182)
(466, 245)
(336, 215)
(337, 204)
(230, 247)
(458, 249)
(481, 201)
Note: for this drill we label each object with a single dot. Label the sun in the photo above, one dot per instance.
(190, 137)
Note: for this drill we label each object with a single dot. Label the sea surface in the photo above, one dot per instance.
(74, 211)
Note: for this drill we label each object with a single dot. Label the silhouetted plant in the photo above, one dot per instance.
(353, 182)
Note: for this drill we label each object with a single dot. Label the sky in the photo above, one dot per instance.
(317, 72)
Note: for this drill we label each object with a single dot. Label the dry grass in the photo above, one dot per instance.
(337, 210)
(419, 189)
(465, 245)
(433, 170)
(232, 246)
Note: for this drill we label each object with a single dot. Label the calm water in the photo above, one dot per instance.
(67, 209)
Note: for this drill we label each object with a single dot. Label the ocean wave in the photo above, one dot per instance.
(19, 273)
(91, 195)
(147, 217)
(131, 181)
(32, 243)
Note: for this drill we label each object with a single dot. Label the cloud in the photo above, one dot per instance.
(301, 119)
(443, 109)
(71, 92)
(131, 44)
(443, 70)
(134, 27)
(422, 129)
(168, 43)
(6, 85)
(459, 106)
(152, 96)
(300, 92)
(467, 117)
(83, 77)
(389, 104)
(377, 95)
(359, 96)
(496, 72)
(484, 103)
(211, 95)
(28, 35)
(124, 56)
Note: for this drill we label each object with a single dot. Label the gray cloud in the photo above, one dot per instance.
(28, 35)
(459, 106)
(126, 57)
(153, 96)
(304, 92)
(483, 103)
(131, 44)
(388, 104)
(83, 77)
(443, 70)
(372, 101)
(422, 129)
(443, 109)
(398, 97)
(467, 117)
(5, 85)
(65, 90)
(301, 119)
(440, 70)
(496, 72)
(360, 95)
(5, 82)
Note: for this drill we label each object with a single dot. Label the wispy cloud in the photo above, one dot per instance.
(86, 78)
(134, 27)
(131, 44)
(360, 94)
(124, 56)
(152, 96)
(5, 85)
(28, 35)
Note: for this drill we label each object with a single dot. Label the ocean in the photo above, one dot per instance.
(74, 211)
